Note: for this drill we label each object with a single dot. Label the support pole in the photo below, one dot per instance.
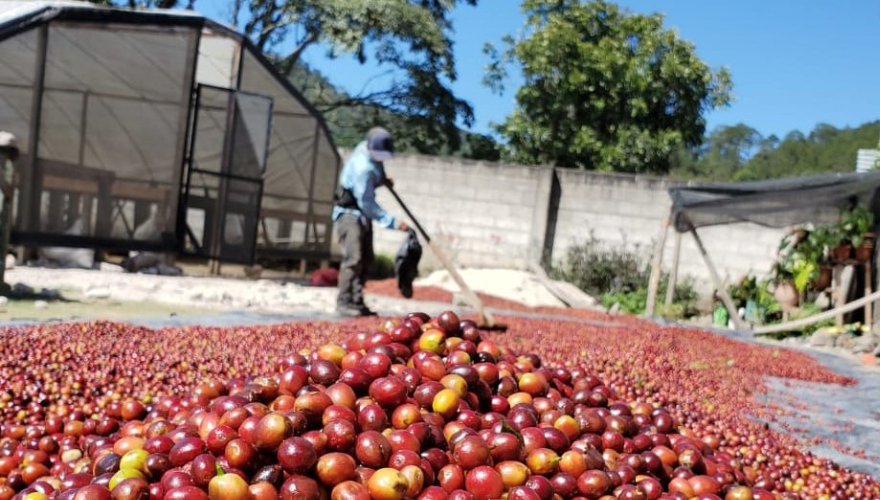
(8, 154)
(869, 290)
(719, 286)
(656, 271)
(673, 273)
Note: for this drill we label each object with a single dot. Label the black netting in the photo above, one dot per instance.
(222, 216)
(253, 114)
(226, 179)
(773, 203)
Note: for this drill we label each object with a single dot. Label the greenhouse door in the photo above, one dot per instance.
(224, 181)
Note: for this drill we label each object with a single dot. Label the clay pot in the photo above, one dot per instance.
(864, 253)
(842, 252)
(823, 281)
(786, 295)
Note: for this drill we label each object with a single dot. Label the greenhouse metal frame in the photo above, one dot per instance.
(159, 130)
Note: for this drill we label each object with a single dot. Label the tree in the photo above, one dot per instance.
(412, 37)
(739, 153)
(347, 123)
(723, 153)
(604, 88)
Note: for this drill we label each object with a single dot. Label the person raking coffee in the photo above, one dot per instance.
(354, 211)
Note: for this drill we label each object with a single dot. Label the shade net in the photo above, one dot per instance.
(773, 203)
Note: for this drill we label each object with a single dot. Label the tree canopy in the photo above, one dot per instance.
(409, 37)
(604, 88)
(741, 153)
(348, 123)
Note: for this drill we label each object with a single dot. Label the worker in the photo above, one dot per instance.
(354, 211)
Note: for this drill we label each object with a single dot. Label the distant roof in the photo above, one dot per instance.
(867, 159)
(773, 203)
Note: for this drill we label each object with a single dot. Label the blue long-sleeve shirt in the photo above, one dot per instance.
(362, 176)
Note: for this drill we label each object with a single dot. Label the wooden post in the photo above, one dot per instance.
(716, 280)
(656, 268)
(869, 307)
(673, 273)
(837, 294)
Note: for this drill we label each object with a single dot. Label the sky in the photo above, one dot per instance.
(794, 63)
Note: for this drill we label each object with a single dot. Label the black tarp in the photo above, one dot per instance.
(773, 203)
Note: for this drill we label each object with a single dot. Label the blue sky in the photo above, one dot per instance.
(794, 63)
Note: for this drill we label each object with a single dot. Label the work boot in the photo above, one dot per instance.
(366, 311)
(349, 310)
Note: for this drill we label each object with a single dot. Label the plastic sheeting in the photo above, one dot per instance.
(113, 112)
(773, 203)
(17, 71)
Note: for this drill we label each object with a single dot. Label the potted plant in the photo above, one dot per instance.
(786, 293)
(855, 226)
(817, 246)
(783, 289)
(842, 251)
(798, 265)
(865, 250)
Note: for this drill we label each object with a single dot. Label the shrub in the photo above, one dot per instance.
(382, 268)
(684, 302)
(619, 276)
(596, 269)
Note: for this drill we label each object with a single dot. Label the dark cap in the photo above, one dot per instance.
(379, 144)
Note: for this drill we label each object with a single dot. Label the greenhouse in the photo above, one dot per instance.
(159, 130)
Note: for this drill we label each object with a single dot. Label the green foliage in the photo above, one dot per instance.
(819, 242)
(755, 297)
(597, 269)
(854, 224)
(740, 153)
(798, 260)
(743, 291)
(382, 267)
(349, 123)
(803, 251)
(635, 301)
(805, 311)
(632, 302)
(617, 275)
(410, 38)
(604, 88)
(724, 150)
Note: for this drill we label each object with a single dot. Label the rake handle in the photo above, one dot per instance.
(447, 263)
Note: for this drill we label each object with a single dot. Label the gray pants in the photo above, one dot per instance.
(356, 241)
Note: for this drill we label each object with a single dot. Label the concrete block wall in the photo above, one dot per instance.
(482, 213)
(626, 210)
(496, 215)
